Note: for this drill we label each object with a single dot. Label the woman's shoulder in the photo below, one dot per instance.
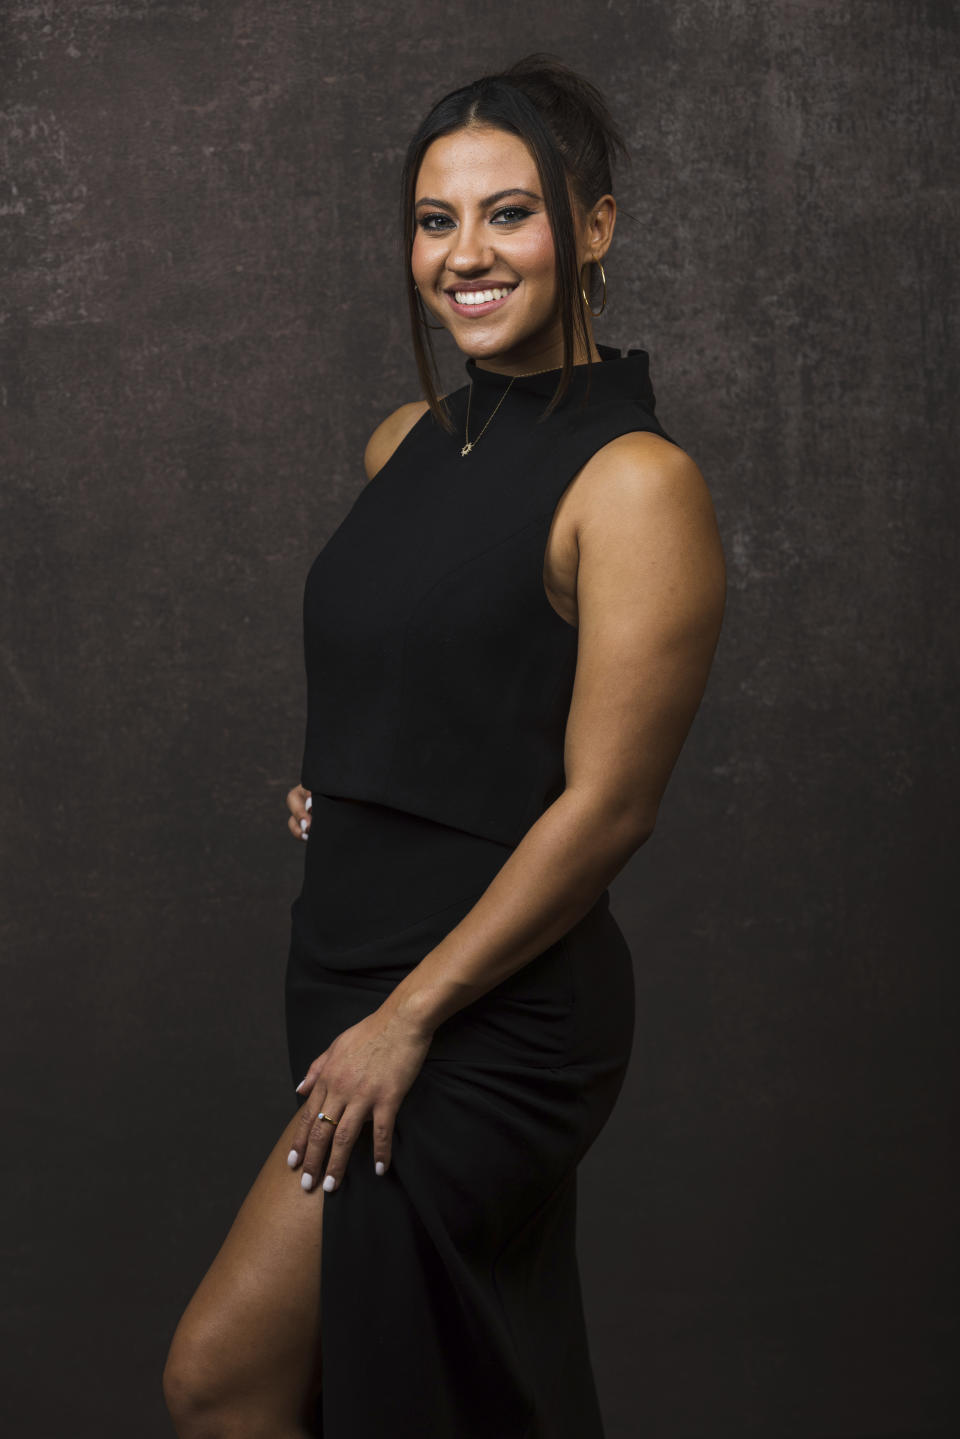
(642, 464)
(389, 433)
(640, 481)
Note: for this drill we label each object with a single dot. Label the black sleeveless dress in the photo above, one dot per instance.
(438, 683)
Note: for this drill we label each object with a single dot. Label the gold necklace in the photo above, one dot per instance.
(466, 424)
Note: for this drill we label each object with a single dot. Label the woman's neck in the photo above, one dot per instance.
(537, 361)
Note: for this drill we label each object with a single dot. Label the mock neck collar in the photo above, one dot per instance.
(615, 377)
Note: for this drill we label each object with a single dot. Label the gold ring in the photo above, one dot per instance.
(334, 1122)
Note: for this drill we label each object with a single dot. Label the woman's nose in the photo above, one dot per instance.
(471, 252)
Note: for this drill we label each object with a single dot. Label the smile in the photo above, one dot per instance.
(479, 302)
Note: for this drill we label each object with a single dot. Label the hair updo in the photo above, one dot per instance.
(564, 120)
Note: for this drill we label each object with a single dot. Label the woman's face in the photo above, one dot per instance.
(481, 225)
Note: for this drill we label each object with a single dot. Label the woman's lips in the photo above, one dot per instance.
(483, 307)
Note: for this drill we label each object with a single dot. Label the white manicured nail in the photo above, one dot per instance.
(309, 803)
(329, 1183)
(307, 1181)
(292, 1158)
(304, 823)
(379, 1166)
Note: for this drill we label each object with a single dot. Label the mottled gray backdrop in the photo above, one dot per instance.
(202, 321)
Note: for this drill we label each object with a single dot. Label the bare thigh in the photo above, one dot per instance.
(250, 1337)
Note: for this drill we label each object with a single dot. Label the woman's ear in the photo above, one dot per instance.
(600, 225)
(596, 230)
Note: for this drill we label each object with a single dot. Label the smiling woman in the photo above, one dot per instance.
(506, 641)
(558, 222)
(469, 296)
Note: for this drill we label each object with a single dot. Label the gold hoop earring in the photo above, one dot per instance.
(603, 304)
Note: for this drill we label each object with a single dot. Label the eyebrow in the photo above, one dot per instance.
(490, 199)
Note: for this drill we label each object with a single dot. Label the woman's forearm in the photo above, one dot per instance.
(557, 872)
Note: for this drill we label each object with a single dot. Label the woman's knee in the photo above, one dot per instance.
(199, 1389)
(211, 1394)
(248, 1342)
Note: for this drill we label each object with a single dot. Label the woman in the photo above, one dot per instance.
(506, 641)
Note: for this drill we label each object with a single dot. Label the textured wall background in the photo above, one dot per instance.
(201, 323)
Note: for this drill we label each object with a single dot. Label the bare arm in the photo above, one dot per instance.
(650, 596)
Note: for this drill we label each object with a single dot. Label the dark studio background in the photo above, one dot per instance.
(202, 321)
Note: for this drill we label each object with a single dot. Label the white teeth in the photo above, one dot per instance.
(479, 297)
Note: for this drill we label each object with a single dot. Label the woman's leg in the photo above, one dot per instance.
(245, 1357)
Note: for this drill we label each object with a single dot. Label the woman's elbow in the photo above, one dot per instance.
(619, 822)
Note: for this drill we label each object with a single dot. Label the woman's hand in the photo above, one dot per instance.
(299, 802)
(364, 1074)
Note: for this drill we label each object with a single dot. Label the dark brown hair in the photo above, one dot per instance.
(564, 120)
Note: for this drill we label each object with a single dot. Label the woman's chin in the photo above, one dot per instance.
(486, 340)
(489, 344)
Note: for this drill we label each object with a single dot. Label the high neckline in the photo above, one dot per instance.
(615, 377)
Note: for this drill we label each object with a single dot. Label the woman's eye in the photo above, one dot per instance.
(510, 213)
(425, 222)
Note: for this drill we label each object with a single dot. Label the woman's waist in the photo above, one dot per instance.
(348, 939)
(571, 1004)
(372, 873)
(382, 886)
